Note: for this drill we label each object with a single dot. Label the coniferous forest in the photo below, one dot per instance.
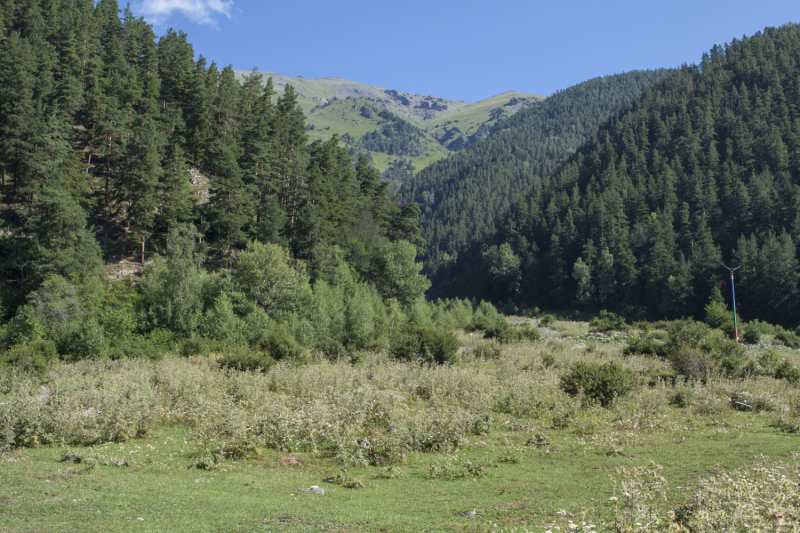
(703, 168)
(117, 144)
(465, 198)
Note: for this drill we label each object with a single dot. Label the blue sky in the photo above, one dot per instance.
(462, 50)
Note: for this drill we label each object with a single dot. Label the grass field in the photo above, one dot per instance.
(488, 444)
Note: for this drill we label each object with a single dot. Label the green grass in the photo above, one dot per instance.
(573, 473)
(536, 476)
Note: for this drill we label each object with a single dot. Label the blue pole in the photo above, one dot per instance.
(735, 326)
(733, 293)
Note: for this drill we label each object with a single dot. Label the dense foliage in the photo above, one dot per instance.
(703, 168)
(395, 137)
(465, 196)
(115, 144)
(102, 122)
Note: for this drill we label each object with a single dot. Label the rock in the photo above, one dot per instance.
(313, 489)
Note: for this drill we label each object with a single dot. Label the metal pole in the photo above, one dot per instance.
(733, 294)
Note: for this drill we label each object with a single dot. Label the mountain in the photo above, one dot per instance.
(434, 126)
(703, 168)
(465, 197)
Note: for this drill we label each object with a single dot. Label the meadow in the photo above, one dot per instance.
(491, 442)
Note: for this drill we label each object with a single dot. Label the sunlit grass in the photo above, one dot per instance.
(491, 435)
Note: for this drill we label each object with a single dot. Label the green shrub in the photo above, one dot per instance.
(429, 344)
(788, 339)
(87, 342)
(331, 349)
(607, 321)
(686, 333)
(137, 347)
(246, 359)
(36, 356)
(730, 355)
(162, 338)
(546, 319)
(768, 362)
(689, 339)
(787, 371)
(488, 351)
(201, 346)
(598, 382)
(751, 336)
(717, 314)
(693, 363)
(645, 345)
(281, 346)
(486, 317)
(507, 333)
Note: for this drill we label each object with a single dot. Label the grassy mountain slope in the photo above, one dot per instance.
(336, 105)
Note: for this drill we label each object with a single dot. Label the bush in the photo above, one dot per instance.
(788, 371)
(36, 356)
(507, 333)
(488, 351)
(201, 346)
(788, 339)
(137, 347)
(246, 359)
(331, 349)
(693, 363)
(686, 333)
(645, 345)
(430, 345)
(717, 314)
(88, 342)
(281, 346)
(598, 382)
(546, 319)
(486, 317)
(607, 321)
(751, 336)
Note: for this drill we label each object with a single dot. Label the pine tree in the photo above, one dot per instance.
(62, 245)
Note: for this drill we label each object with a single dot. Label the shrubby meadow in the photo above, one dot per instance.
(509, 397)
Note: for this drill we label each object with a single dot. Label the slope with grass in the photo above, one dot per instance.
(336, 105)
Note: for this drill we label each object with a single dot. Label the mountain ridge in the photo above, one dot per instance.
(336, 105)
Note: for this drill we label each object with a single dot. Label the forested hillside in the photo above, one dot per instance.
(703, 168)
(117, 145)
(467, 195)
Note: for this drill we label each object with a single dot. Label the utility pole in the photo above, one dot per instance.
(733, 293)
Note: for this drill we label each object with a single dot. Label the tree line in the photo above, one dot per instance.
(111, 138)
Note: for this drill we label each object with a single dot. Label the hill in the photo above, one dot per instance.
(703, 168)
(351, 109)
(465, 196)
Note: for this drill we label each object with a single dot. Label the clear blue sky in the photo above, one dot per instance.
(462, 50)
